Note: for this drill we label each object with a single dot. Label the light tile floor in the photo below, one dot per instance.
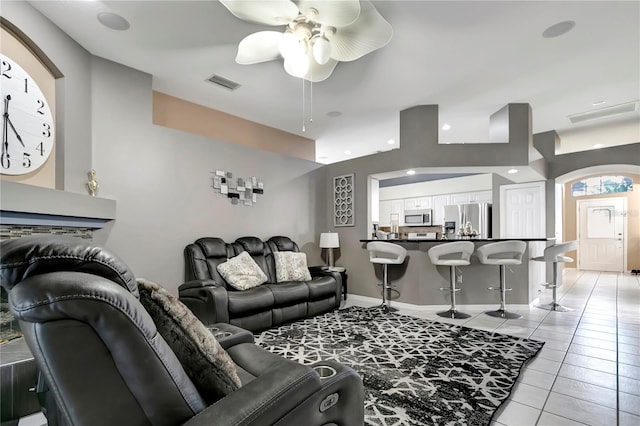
(588, 371)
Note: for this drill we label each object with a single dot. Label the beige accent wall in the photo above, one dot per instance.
(633, 218)
(45, 176)
(179, 114)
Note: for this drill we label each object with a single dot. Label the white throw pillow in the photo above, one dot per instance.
(291, 266)
(242, 272)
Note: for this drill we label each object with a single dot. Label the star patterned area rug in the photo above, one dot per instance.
(415, 371)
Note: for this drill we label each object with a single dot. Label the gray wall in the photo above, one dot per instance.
(161, 177)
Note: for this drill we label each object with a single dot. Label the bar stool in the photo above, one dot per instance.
(502, 253)
(386, 254)
(554, 254)
(452, 254)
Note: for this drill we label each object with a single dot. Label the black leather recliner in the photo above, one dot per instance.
(105, 363)
(213, 300)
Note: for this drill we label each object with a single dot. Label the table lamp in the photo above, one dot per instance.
(330, 240)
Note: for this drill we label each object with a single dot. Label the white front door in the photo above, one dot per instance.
(601, 234)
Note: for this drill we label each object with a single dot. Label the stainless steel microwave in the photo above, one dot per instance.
(418, 217)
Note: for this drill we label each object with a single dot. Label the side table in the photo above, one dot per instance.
(18, 378)
(343, 274)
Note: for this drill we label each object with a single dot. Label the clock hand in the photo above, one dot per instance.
(14, 131)
(5, 118)
(8, 120)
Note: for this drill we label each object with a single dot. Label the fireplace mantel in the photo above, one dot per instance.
(33, 205)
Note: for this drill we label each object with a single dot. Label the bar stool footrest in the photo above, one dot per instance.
(449, 289)
(388, 285)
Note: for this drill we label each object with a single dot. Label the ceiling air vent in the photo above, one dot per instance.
(223, 82)
(604, 112)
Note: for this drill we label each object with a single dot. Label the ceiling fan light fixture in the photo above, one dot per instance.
(292, 45)
(297, 65)
(321, 50)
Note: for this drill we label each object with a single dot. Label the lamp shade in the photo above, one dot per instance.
(329, 240)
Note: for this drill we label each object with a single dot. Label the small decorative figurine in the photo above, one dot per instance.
(93, 183)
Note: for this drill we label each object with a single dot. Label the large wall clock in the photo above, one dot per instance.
(27, 122)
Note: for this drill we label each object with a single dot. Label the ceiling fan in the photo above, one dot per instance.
(317, 35)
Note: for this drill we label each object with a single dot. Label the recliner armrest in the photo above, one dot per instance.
(264, 400)
(318, 269)
(207, 299)
(198, 284)
(323, 271)
(229, 335)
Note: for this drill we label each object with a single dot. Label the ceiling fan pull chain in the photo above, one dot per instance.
(303, 107)
(311, 98)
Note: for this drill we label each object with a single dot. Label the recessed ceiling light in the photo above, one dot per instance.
(113, 21)
(598, 145)
(323, 157)
(334, 114)
(446, 127)
(347, 152)
(512, 171)
(411, 172)
(596, 103)
(391, 141)
(558, 29)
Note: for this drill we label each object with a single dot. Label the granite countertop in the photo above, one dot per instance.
(406, 240)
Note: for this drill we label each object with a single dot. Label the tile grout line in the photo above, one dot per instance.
(617, 357)
(570, 342)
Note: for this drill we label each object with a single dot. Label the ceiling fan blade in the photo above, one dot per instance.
(269, 12)
(368, 33)
(259, 47)
(333, 13)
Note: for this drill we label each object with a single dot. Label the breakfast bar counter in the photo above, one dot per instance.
(418, 281)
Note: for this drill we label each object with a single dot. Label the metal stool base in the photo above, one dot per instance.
(452, 313)
(553, 306)
(387, 308)
(501, 313)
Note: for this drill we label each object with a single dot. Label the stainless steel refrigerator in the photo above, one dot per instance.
(478, 214)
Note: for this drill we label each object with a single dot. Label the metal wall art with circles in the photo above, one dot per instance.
(344, 200)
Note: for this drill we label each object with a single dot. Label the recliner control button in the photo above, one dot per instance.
(329, 402)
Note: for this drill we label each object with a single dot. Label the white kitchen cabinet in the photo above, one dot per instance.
(385, 213)
(437, 204)
(460, 198)
(418, 203)
(471, 197)
(387, 207)
(483, 197)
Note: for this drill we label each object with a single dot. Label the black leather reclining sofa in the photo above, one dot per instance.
(106, 363)
(213, 300)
